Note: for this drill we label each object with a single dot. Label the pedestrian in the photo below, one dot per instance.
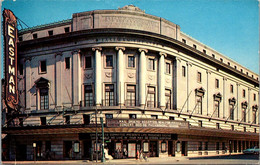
(125, 153)
(137, 154)
(141, 155)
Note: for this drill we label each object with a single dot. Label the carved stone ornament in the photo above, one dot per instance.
(131, 8)
(88, 76)
(232, 101)
(131, 75)
(217, 96)
(150, 77)
(168, 80)
(244, 104)
(108, 74)
(200, 91)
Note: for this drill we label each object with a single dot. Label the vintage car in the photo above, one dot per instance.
(254, 150)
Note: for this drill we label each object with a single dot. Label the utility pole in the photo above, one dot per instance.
(103, 152)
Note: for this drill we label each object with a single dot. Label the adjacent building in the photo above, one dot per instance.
(156, 88)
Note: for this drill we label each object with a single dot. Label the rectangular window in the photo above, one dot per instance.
(131, 61)
(217, 83)
(200, 146)
(200, 123)
(88, 62)
(109, 95)
(168, 98)
(109, 116)
(206, 146)
(244, 129)
(183, 71)
(217, 126)
(154, 116)
(44, 98)
(43, 120)
(244, 114)
(254, 97)
(232, 128)
(50, 33)
(217, 146)
(244, 93)
(199, 77)
(168, 68)
(254, 130)
(171, 118)
(216, 108)
(43, 67)
(21, 69)
(204, 51)
(67, 62)
(88, 96)
(67, 29)
(109, 61)
(151, 64)
(184, 41)
(231, 88)
(130, 96)
(67, 119)
(194, 46)
(35, 36)
(199, 104)
(86, 119)
(151, 97)
(132, 116)
(254, 116)
(231, 111)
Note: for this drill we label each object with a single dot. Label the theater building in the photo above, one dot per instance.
(156, 89)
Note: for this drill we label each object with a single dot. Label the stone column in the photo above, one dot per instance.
(76, 78)
(58, 83)
(98, 84)
(161, 78)
(142, 76)
(28, 85)
(120, 75)
(177, 84)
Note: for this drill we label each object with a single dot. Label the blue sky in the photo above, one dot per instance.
(229, 26)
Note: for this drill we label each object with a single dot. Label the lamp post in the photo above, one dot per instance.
(34, 148)
(103, 152)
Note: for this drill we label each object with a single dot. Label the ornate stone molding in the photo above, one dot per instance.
(168, 80)
(208, 72)
(76, 51)
(96, 48)
(120, 48)
(131, 75)
(178, 58)
(88, 76)
(162, 54)
(150, 77)
(189, 64)
(108, 74)
(225, 78)
(145, 50)
(58, 54)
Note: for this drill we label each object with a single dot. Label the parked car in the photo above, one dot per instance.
(254, 150)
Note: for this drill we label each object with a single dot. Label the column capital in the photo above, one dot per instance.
(27, 59)
(145, 50)
(225, 78)
(189, 64)
(96, 48)
(120, 48)
(58, 54)
(178, 58)
(162, 54)
(75, 51)
(208, 72)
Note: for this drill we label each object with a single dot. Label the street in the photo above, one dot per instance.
(226, 159)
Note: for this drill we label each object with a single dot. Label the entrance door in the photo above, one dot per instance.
(239, 146)
(87, 149)
(235, 146)
(153, 149)
(67, 149)
(170, 148)
(131, 150)
(21, 152)
(184, 147)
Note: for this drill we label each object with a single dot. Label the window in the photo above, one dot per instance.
(184, 41)
(254, 115)
(244, 93)
(67, 62)
(109, 61)
(199, 104)
(223, 146)
(216, 83)
(221, 60)
(109, 116)
(206, 146)
(244, 129)
(35, 36)
(242, 70)
(217, 126)
(130, 96)
(200, 123)
(232, 127)
(43, 67)
(151, 97)
(132, 116)
(168, 68)
(194, 46)
(44, 98)
(171, 118)
(67, 29)
(67, 119)
(204, 51)
(199, 77)
(154, 116)
(213, 55)
(217, 146)
(88, 95)
(131, 61)
(21, 69)
(244, 114)
(231, 88)
(109, 95)
(216, 108)
(21, 122)
(151, 64)
(235, 67)
(231, 111)
(168, 98)
(254, 97)
(20, 38)
(50, 33)
(43, 120)
(86, 119)
(254, 130)
(183, 71)
(88, 62)
(228, 63)
(200, 146)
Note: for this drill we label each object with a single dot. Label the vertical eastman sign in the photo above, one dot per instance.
(10, 44)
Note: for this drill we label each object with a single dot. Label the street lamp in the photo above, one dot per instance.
(103, 152)
(34, 148)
